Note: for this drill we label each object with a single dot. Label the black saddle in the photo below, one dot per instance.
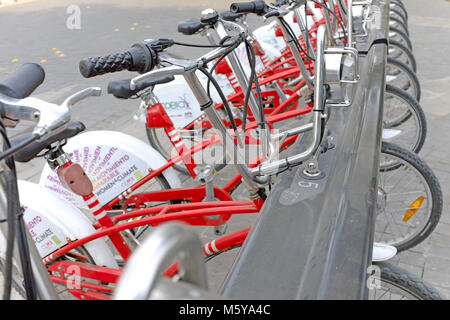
(33, 149)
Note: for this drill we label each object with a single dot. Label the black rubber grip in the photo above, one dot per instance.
(257, 7)
(191, 27)
(91, 67)
(139, 58)
(231, 16)
(23, 82)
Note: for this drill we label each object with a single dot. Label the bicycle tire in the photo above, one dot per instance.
(399, 25)
(17, 282)
(17, 279)
(400, 13)
(415, 110)
(395, 277)
(409, 73)
(400, 4)
(433, 186)
(402, 36)
(410, 59)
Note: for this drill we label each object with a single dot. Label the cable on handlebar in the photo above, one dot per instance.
(217, 86)
(222, 96)
(308, 47)
(218, 89)
(10, 151)
(9, 177)
(294, 39)
(337, 19)
(216, 64)
(252, 79)
(201, 45)
(251, 52)
(15, 229)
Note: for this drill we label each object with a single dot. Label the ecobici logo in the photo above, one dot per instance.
(181, 104)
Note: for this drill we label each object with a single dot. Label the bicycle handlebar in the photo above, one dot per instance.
(23, 82)
(257, 7)
(140, 57)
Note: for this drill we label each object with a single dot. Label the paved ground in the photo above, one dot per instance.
(429, 25)
(37, 32)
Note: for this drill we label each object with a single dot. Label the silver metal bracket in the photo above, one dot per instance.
(334, 63)
(58, 161)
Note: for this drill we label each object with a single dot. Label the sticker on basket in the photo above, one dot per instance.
(47, 237)
(110, 169)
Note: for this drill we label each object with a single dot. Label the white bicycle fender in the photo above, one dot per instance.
(53, 221)
(387, 134)
(114, 161)
(382, 252)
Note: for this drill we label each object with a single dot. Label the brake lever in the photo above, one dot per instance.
(233, 26)
(81, 95)
(271, 14)
(278, 12)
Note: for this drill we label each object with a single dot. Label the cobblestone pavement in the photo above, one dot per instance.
(37, 33)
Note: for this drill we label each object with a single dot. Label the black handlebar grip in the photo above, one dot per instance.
(139, 58)
(257, 7)
(23, 82)
(191, 27)
(91, 67)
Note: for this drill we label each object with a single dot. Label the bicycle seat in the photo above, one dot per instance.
(32, 150)
(191, 27)
(231, 16)
(121, 88)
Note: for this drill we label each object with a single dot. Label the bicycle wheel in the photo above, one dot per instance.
(398, 23)
(401, 53)
(400, 36)
(61, 290)
(398, 284)
(17, 279)
(400, 6)
(409, 202)
(398, 12)
(404, 121)
(401, 76)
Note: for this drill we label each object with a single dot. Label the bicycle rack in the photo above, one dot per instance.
(317, 234)
(316, 231)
